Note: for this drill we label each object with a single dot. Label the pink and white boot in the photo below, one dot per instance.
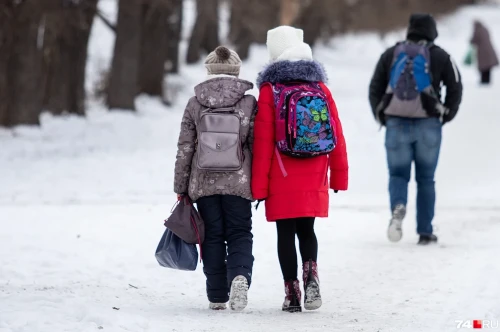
(293, 297)
(312, 296)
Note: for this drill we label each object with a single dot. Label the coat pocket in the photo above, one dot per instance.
(219, 152)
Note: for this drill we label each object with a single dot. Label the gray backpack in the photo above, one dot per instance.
(219, 141)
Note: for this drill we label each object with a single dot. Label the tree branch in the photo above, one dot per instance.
(106, 21)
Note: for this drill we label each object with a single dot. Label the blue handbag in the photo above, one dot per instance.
(175, 253)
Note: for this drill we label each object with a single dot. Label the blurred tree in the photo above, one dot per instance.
(154, 45)
(174, 33)
(21, 43)
(67, 31)
(6, 26)
(43, 42)
(386, 15)
(313, 19)
(205, 34)
(289, 11)
(160, 23)
(249, 22)
(241, 34)
(123, 85)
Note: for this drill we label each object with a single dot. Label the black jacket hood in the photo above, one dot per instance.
(422, 26)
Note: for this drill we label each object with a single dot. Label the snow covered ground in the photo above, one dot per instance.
(82, 203)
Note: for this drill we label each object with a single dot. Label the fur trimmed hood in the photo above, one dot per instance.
(286, 71)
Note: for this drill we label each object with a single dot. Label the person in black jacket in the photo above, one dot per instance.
(414, 135)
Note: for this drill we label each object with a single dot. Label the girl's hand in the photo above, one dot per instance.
(179, 197)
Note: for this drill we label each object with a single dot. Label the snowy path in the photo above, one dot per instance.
(82, 204)
(64, 268)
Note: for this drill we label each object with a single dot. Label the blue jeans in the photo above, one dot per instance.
(227, 249)
(413, 140)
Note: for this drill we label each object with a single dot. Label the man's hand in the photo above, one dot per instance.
(444, 113)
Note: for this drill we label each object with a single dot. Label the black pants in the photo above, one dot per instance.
(228, 237)
(308, 244)
(486, 76)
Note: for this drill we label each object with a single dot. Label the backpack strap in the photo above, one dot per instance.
(280, 162)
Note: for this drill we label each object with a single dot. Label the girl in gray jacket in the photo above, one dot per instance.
(213, 167)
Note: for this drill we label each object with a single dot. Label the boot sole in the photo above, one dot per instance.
(394, 233)
(292, 309)
(217, 307)
(312, 299)
(238, 296)
(427, 243)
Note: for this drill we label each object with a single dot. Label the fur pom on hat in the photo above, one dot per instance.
(223, 61)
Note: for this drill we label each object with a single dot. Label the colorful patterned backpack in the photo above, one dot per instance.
(304, 127)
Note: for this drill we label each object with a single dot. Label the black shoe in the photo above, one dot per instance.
(427, 239)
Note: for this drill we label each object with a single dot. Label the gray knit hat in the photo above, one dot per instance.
(223, 61)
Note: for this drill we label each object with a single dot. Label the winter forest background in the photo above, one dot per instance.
(43, 43)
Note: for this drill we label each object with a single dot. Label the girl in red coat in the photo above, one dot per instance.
(295, 190)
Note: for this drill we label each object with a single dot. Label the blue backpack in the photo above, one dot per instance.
(410, 78)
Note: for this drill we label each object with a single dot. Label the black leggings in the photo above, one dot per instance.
(308, 244)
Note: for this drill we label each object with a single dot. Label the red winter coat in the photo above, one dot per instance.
(304, 192)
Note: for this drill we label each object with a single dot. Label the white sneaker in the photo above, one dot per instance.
(395, 231)
(217, 306)
(238, 296)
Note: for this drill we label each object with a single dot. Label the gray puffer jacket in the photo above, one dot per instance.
(217, 92)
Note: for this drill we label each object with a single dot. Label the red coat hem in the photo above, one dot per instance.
(294, 215)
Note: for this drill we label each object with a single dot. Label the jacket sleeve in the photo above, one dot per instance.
(185, 151)
(380, 80)
(339, 166)
(264, 143)
(453, 82)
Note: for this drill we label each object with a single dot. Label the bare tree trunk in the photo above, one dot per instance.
(106, 21)
(289, 11)
(155, 14)
(249, 22)
(205, 35)
(211, 40)
(174, 33)
(241, 34)
(6, 32)
(82, 37)
(67, 36)
(125, 65)
(57, 62)
(313, 19)
(24, 72)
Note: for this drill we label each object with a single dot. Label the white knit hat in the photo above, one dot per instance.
(223, 61)
(287, 43)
